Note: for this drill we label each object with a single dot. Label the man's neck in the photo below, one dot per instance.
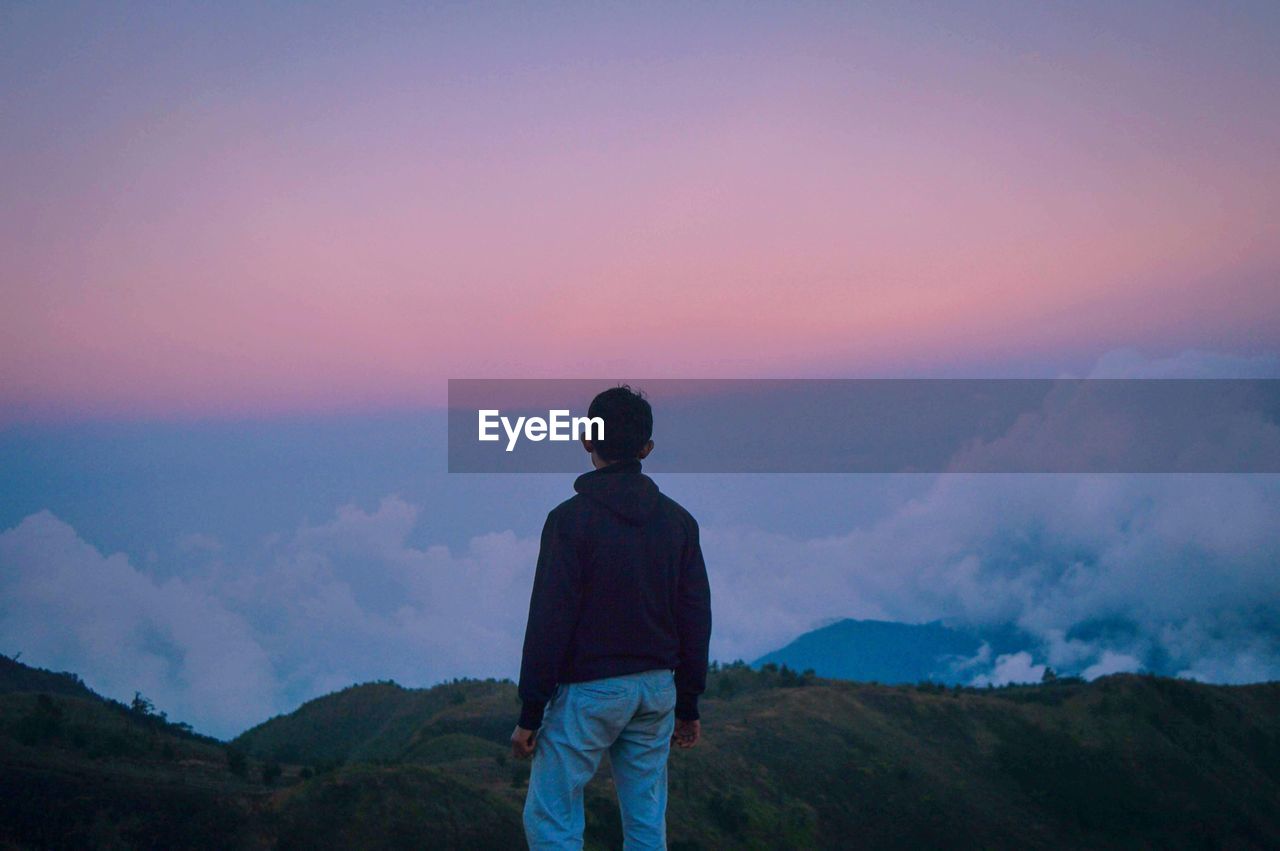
(601, 464)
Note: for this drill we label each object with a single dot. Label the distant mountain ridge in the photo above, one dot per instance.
(893, 652)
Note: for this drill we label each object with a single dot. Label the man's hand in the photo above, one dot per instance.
(687, 733)
(523, 742)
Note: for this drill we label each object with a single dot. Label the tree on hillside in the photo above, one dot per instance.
(144, 708)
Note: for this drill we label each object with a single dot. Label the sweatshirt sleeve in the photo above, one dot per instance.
(693, 619)
(553, 612)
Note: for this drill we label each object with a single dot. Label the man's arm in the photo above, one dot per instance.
(553, 612)
(693, 620)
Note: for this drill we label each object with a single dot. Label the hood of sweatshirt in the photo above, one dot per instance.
(621, 488)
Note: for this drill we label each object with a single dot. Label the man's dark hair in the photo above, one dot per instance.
(628, 423)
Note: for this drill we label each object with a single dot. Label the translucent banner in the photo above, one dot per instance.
(882, 425)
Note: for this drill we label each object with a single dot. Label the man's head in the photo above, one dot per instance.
(628, 426)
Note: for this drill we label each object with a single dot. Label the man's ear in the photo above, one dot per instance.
(645, 450)
(588, 445)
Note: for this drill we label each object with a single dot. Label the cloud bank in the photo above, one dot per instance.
(225, 643)
(1106, 573)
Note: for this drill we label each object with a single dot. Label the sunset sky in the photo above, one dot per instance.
(212, 211)
(244, 246)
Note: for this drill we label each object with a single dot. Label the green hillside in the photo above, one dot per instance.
(17, 677)
(789, 761)
(384, 721)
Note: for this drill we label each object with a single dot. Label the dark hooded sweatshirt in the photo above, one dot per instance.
(620, 588)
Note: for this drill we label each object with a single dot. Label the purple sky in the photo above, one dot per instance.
(245, 211)
(242, 247)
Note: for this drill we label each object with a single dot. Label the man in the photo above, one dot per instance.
(615, 652)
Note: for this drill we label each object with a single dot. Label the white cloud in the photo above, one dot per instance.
(1012, 668)
(1111, 663)
(65, 605)
(233, 642)
(353, 600)
(1173, 567)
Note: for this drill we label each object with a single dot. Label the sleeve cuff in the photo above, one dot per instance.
(531, 714)
(687, 706)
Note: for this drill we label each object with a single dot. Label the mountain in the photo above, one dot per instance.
(788, 761)
(891, 652)
(79, 770)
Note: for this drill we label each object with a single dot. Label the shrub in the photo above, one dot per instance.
(237, 762)
(271, 772)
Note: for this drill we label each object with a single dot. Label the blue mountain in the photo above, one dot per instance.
(892, 652)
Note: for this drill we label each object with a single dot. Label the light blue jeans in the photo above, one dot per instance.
(632, 717)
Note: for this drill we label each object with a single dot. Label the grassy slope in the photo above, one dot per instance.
(381, 721)
(1126, 761)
